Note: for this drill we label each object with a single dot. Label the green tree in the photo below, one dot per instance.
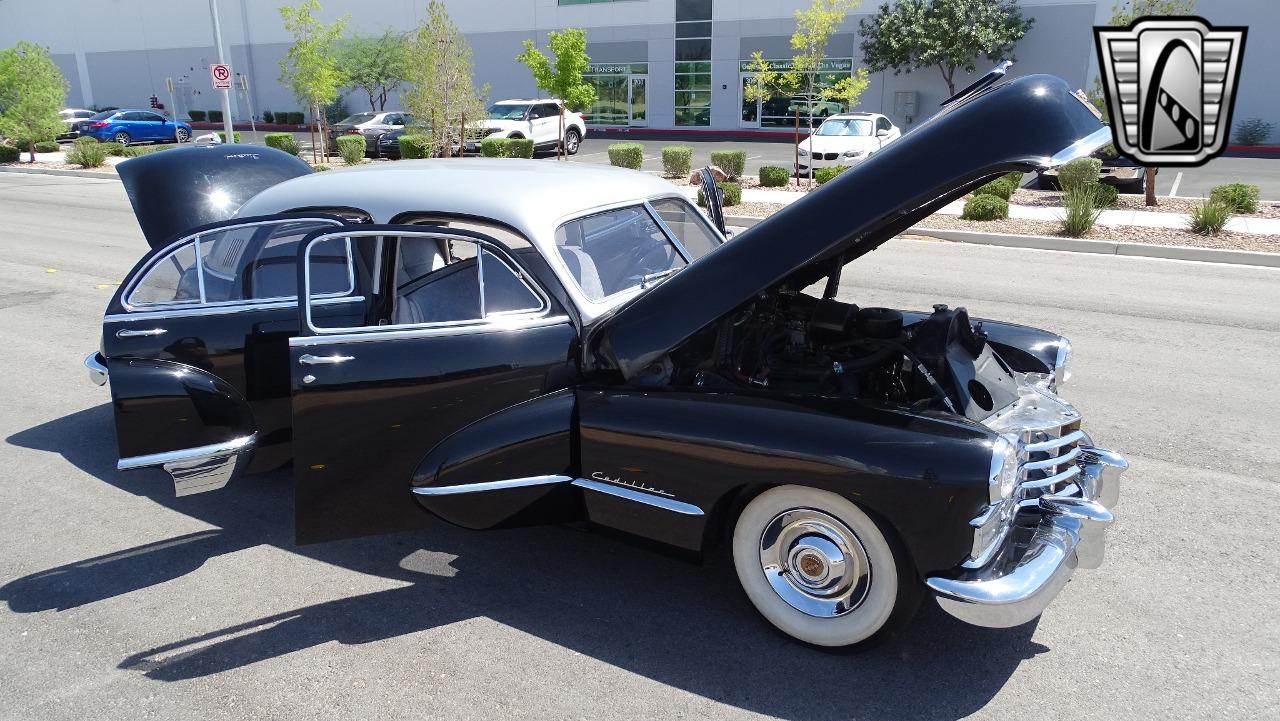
(1123, 13)
(561, 77)
(32, 91)
(814, 28)
(443, 93)
(310, 67)
(375, 65)
(945, 34)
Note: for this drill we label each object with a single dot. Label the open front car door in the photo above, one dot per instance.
(443, 389)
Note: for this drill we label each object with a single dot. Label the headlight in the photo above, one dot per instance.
(1062, 364)
(854, 153)
(803, 152)
(1004, 468)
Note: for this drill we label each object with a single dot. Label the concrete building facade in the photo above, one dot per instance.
(659, 64)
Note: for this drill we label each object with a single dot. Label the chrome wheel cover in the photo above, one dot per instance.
(181, 135)
(571, 142)
(815, 563)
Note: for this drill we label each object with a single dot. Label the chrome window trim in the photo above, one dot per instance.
(194, 240)
(379, 333)
(666, 504)
(223, 309)
(482, 323)
(491, 485)
(667, 231)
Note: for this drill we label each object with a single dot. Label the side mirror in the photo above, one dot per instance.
(882, 133)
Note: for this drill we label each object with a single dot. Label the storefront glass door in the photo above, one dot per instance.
(638, 101)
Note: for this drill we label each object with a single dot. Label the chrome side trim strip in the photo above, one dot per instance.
(374, 333)
(490, 485)
(223, 309)
(199, 469)
(666, 504)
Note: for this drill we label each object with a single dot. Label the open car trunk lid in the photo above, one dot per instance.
(1020, 125)
(176, 190)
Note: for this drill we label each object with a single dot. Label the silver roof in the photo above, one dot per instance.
(532, 196)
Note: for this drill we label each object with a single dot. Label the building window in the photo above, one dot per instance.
(780, 111)
(693, 62)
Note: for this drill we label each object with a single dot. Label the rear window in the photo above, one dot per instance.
(357, 119)
(104, 115)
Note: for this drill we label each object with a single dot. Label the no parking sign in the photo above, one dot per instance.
(221, 73)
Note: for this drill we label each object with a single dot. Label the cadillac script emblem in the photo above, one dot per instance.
(1170, 84)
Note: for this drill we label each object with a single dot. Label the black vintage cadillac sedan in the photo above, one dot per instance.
(506, 342)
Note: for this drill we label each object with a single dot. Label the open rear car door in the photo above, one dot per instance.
(442, 391)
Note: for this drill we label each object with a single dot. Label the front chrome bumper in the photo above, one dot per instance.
(97, 366)
(1052, 537)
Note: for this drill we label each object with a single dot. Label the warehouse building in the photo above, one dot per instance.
(658, 64)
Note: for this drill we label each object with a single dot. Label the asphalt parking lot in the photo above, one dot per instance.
(118, 601)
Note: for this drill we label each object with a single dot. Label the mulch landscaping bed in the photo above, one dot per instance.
(1226, 240)
(1129, 201)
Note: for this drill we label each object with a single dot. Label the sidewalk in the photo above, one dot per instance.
(1141, 218)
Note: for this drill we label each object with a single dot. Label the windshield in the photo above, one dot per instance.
(615, 251)
(356, 119)
(507, 111)
(104, 115)
(845, 126)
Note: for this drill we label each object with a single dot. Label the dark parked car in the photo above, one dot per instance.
(512, 342)
(134, 126)
(71, 118)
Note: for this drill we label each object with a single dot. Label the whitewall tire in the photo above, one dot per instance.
(818, 568)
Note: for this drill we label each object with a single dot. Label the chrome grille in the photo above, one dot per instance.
(1048, 464)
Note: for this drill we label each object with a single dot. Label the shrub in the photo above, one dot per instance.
(825, 175)
(351, 148)
(84, 140)
(215, 116)
(415, 146)
(731, 162)
(626, 155)
(197, 116)
(321, 168)
(985, 207)
(1253, 131)
(134, 151)
(1000, 188)
(234, 134)
(9, 153)
(281, 141)
(1082, 209)
(677, 160)
(1078, 172)
(771, 176)
(1239, 197)
(732, 194)
(1209, 217)
(113, 148)
(294, 117)
(506, 148)
(1104, 196)
(268, 117)
(87, 155)
(48, 146)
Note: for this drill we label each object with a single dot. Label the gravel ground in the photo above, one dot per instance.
(107, 169)
(1126, 233)
(1053, 199)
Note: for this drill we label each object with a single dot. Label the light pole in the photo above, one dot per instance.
(226, 94)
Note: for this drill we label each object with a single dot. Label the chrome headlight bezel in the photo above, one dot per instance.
(1003, 478)
(1062, 364)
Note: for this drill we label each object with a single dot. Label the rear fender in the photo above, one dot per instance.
(192, 424)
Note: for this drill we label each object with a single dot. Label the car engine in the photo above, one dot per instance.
(792, 342)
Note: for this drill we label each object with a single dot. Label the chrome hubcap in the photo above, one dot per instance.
(815, 563)
(573, 142)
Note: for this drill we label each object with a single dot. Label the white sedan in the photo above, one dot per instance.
(845, 139)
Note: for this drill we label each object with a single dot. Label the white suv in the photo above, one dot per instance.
(536, 120)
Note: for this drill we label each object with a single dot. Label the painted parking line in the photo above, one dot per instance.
(1173, 190)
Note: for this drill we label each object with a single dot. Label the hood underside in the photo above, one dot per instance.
(180, 189)
(1020, 125)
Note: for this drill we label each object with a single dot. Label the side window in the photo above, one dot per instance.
(883, 124)
(175, 279)
(616, 250)
(128, 116)
(687, 225)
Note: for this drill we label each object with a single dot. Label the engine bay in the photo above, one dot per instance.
(791, 342)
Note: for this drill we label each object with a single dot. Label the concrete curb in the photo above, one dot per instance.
(101, 175)
(1078, 245)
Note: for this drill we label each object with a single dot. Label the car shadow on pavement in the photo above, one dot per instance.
(683, 625)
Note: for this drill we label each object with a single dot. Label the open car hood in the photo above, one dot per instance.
(1019, 125)
(175, 190)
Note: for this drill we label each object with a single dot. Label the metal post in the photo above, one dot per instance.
(173, 104)
(226, 94)
(253, 126)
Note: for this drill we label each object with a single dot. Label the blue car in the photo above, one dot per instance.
(134, 126)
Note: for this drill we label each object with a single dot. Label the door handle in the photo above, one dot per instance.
(315, 360)
(131, 333)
